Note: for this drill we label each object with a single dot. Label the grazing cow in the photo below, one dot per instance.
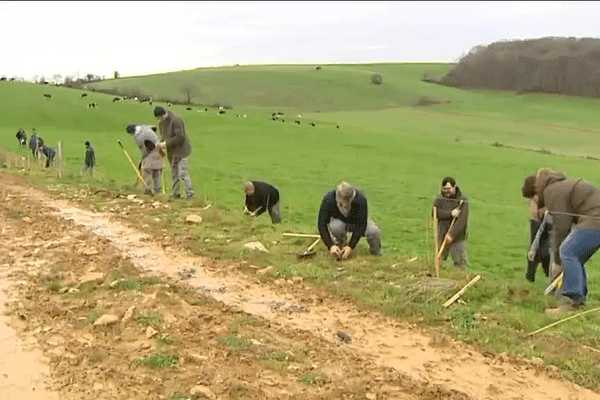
(3, 78)
(221, 111)
(298, 122)
(83, 94)
(312, 124)
(318, 68)
(22, 137)
(48, 96)
(116, 99)
(206, 109)
(189, 108)
(92, 105)
(337, 126)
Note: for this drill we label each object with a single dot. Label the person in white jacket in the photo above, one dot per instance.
(152, 154)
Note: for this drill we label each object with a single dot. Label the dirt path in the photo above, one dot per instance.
(397, 359)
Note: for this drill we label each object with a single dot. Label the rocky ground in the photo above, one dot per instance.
(115, 314)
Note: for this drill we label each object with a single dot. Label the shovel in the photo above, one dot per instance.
(309, 252)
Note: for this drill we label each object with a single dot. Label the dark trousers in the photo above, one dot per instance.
(543, 254)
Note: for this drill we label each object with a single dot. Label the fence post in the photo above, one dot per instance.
(59, 161)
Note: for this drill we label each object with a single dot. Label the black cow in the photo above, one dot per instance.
(3, 78)
(298, 122)
(318, 68)
(312, 124)
(189, 108)
(92, 105)
(83, 94)
(116, 99)
(48, 96)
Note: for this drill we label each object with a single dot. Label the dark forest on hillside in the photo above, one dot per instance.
(550, 65)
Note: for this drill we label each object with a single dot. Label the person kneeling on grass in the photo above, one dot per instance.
(261, 196)
(575, 208)
(152, 155)
(344, 210)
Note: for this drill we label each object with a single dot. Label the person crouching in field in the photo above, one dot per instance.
(152, 155)
(451, 206)
(536, 217)
(49, 152)
(344, 210)
(90, 160)
(261, 196)
(22, 138)
(575, 208)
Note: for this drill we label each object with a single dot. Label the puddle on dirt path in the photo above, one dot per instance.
(383, 340)
(23, 368)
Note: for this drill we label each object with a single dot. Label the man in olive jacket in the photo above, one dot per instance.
(452, 204)
(575, 208)
(178, 147)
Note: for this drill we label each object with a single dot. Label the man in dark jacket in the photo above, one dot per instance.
(33, 145)
(344, 210)
(22, 137)
(261, 196)
(452, 205)
(575, 208)
(90, 159)
(178, 148)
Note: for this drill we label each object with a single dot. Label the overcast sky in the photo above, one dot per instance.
(138, 38)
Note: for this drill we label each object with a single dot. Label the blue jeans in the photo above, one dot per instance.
(577, 248)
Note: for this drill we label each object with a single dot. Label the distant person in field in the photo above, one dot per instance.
(344, 210)
(536, 216)
(451, 206)
(90, 160)
(152, 155)
(33, 143)
(260, 197)
(47, 151)
(575, 208)
(178, 148)
(22, 138)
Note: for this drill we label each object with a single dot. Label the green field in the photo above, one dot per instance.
(396, 152)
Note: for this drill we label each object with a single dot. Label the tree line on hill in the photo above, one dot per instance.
(550, 65)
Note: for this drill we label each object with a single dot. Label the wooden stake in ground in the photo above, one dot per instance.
(563, 320)
(59, 161)
(461, 291)
(132, 164)
(302, 235)
(437, 259)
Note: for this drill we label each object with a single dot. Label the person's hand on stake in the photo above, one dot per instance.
(335, 251)
(455, 213)
(449, 239)
(346, 252)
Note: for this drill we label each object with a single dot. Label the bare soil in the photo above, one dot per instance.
(192, 327)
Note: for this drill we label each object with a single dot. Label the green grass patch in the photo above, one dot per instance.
(313, 378)
(149, 318)
(158, 361)
(93, 316)
(236, 344)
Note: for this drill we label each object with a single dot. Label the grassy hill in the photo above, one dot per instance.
(332, 88)
(396, 152)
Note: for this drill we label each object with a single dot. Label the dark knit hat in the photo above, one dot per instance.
(131, 128)
(87, 144)
(159, 111)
